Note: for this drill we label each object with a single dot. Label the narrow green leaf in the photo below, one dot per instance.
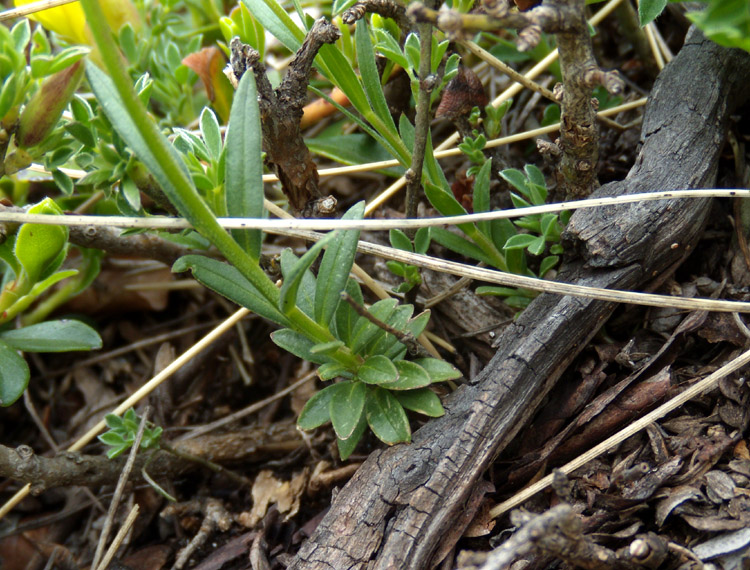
(53, 336)
(423, 401)
(438, 370)
(411, 50)
(445, 203)
(364, 330)
(370, 75)
(346, 407)
(274, 19)
(243, 180)
(377, 370)
(381, 344)
(345, 316)
(292, 281)
(306, 291)
(410, 376)
(481, 200)
(335, 266)
(502, 230)
(228, 281)
(316, 411)
(298, 344)
(547, 263)
(332, 370)
(14, 375)
(460, 245)
(388, 46)
(386, 417)
(520, 241)
(209, 126)
(327, 348)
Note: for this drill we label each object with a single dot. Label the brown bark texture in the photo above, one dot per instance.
(408, 504)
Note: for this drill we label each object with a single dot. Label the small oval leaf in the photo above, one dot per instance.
(377, 370)
(386, 417)
(346, 407)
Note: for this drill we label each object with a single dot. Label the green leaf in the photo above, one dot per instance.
(346, 317)
(346, 407)
(356, 148)
(445, 203)
(347, 446)
(648, 10)
(228, 281)
(292, 281)
(332, 370)
(306, 291)
(481, 200)
(211, 133)
(377, 370)
(298, 344)
(423, 401)
(438, 370)
(23, 303)
(14, 375)
(53, 336)
(548, 263)
(243, 181)
(460, 245)
(381, 344)
(417, 325)
(113, 439)
(536, 247)
(364, 330)
(410, 376)
(411, 50)
(327, 348)
(422, 240)
(726, 22)
(39, 246)
(520, 241)
(370, 75)
(388, 46)
(335, 266)
(399, 240)
(386, 417)
(317, 409)
(275, 20)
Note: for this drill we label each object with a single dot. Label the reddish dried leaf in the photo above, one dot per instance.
(209, 64)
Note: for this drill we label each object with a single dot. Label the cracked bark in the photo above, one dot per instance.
(398, 509)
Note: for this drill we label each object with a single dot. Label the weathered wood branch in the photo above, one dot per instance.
(406, 506)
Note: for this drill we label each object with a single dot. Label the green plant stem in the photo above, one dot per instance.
(185, 197)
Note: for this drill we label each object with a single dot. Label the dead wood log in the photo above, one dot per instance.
(407, 505)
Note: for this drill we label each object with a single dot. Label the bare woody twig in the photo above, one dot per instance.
(386, 8)
(406, 338)
(579, 140)
(427, 83)
(558, 533)
(70, 468)
(281, 111)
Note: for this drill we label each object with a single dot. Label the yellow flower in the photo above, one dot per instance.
(69, 22)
